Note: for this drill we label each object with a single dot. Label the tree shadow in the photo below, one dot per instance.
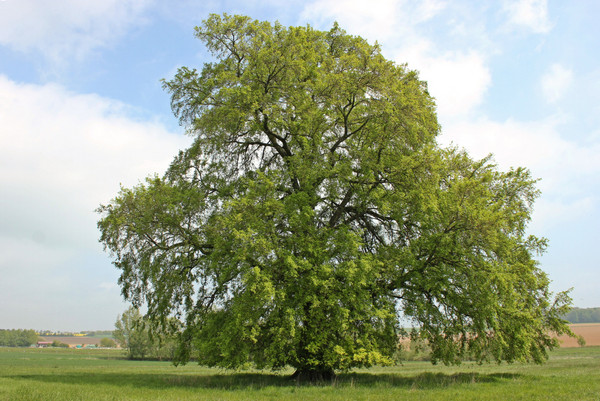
(423, 380)
(245, 381)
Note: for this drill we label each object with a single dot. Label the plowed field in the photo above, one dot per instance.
(589, 331)
(73, 340)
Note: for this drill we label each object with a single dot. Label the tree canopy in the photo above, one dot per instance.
(315, 209)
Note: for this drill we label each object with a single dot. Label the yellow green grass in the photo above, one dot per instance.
(52, 374)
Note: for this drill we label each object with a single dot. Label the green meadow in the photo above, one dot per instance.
(65, 374)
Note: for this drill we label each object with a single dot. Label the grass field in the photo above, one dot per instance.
(63, 374)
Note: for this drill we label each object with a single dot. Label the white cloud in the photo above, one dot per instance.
(63, 29)
(109, 286)
(61, 155)
(556, 82)
(530, 14)
(555, 212)
(457, 80)
(428, 9)
(28, 253)
(567, 169)
(64, 153)
(374, 20)
(44, 286)
(537, 145)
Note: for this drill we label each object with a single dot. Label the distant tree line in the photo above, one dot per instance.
(17, 338)
(141, 339)
(583, 315)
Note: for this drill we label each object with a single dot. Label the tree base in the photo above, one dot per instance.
(313, 375)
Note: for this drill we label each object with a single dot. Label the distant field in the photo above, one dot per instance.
(71, 374)
(72, 340)
(589, 331)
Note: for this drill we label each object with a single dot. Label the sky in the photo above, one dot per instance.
(82, 111)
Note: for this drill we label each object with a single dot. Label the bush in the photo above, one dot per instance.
(108, 343)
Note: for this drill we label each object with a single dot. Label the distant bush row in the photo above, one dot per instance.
(583, 315)
(17, 338)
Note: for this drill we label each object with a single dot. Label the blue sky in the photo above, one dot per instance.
(82, 110)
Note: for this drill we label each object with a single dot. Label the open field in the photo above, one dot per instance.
(589, 331)
(69, 374)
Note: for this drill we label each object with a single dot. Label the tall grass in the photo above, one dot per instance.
(51, 374)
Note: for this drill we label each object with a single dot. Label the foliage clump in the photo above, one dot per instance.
(17, 338)
(315, 209)
(140, 337)
(106, 342)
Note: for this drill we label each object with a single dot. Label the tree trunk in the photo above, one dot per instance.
(313, 374)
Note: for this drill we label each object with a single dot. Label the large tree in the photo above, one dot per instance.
(314, 210)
